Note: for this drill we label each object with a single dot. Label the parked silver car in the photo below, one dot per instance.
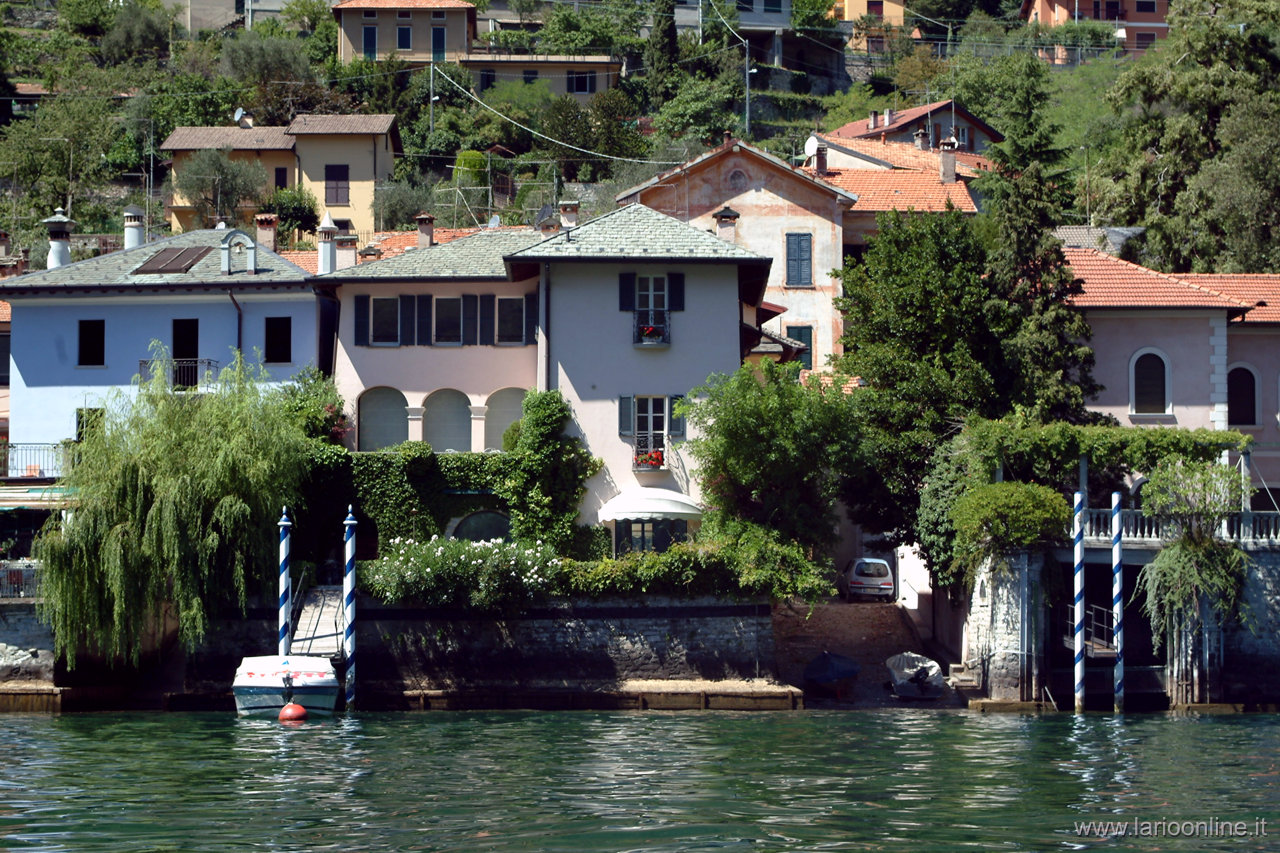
(867, 576)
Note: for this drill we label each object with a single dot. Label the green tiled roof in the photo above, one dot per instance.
(635, 232)
(115, 271)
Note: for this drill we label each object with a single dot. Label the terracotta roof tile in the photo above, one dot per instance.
(901, 120)
(904, 155)
(1112, 283)
(307, 259)
(235, 138)
(899, 190)
(6, 312)
(1260, 291)
(332, 124)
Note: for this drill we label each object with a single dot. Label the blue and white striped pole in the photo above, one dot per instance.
(349, 607)
(285, 605)
(1078, 529)
(1117, 599)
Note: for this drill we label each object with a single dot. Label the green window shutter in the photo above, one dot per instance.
(793, 258)
(803, 334)
(627, 291)
(362, 320)
(531, 318)
(488, 319)
(470, 318)
(424, 320)
(408, 316)
(806, 259)
(675, 424)
(675, 291)
(626, 415)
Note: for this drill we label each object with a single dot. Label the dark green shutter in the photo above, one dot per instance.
(627, 291)
(675, 291)
(408, 316)
(362, 320)
(793, 259)
(470, 318)
(626, 415)
(806, 259)
(803, 334)
(424, 320)
(488, 319)
(675, 424)
(531, 318)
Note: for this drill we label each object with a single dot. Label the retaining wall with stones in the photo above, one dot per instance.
(26, 644)
(1251, 651)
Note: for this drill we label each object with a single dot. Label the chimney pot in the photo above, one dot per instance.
(344, 251)
(820, 160)
(426, 230)
(266, 223)
(60, 228)
(871, 121)
(569, 213)
(726, 219)
(947, 166)
(888, 117)
(727, 137)
(327, 260)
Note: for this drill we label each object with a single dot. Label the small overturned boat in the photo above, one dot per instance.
(915, 677)
(831, 674)
(265, 684)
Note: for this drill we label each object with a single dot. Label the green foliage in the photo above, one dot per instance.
(138, 34)
(395, 205)
(217, 185)
(813, 18)
(88, 18)
(661, 54)
(701, 109)
(487, 576)
(469, 168)
(1195, 495)
(569, 121)
(610, 28)
(175, 500)
(297, 210)
(306, 15)
(770, 451)
(396, 489)
(251, 58)
(996, 519)
(545, 485)
(313, 401)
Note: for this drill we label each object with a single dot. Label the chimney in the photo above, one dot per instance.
(820, 160)
(345, 251)
(888, 117)
(266, 223)
(368, 253)
(327, 260)
(569, 213)
(726, 224)
(871, 121)
(60, 228)
(426, 230)
(727, 137)
(922, 138)
(947, 166)
(246, 121)
(133, 226)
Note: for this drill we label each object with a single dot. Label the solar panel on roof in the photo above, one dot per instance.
(172, 260)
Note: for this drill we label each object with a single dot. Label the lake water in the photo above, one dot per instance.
(911, 779)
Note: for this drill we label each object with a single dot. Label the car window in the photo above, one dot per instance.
(871, 570)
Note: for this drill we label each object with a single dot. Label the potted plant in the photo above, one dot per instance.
(649, 459)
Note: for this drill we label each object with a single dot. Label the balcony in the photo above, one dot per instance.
(185, 373)
(1254, 528)
(651, 328)
(18, 578)
(34, 461)
(650, 455)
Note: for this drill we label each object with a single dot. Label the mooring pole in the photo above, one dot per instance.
(349, 608)
(1117, 599)
(285, 524)
(1078, 529)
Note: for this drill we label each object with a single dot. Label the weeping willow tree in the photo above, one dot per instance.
(1196, 571)
(175, 499)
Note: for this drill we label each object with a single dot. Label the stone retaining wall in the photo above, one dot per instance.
(1251, 652)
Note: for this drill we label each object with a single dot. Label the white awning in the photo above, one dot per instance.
(646, 503)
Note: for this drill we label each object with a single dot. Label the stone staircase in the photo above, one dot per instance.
(319, 628)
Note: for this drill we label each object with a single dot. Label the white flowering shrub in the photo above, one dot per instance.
(459, 573)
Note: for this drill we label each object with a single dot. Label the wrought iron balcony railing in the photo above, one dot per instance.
(651, 328)
(34, 460)
(650, 453)
(194, 373)
(18, 578)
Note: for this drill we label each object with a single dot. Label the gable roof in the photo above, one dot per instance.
(1110, 239)
(117, 272)
(889, 154)
(235, 137)
(478, 256)
(904, 120)
(735, 146)
(1110, 283)
(635, 232)
(899, 189)
(340, 124)
(402, 4)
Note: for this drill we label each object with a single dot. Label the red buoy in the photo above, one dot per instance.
(293, 713)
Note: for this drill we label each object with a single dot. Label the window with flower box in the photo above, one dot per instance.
(651, 299)
(650, 421)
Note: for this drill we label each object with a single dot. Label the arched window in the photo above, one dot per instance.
(446, 421)
(483, 526)
(383, 421)
(503, 411)
(1242, 397)
(1150, 384)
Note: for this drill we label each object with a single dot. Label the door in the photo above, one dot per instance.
(371, 42)
(437, 44)
(186, 353)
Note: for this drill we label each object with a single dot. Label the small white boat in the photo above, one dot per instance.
(265, 684)
(914, 676)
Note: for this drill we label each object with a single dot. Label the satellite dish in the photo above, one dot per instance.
(239, 114)
(494, 221)
(811, 146)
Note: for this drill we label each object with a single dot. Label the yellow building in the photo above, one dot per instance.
(885, 11)
(417, 31)
(339, 158)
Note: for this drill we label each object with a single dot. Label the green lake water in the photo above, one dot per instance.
(910, 779)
